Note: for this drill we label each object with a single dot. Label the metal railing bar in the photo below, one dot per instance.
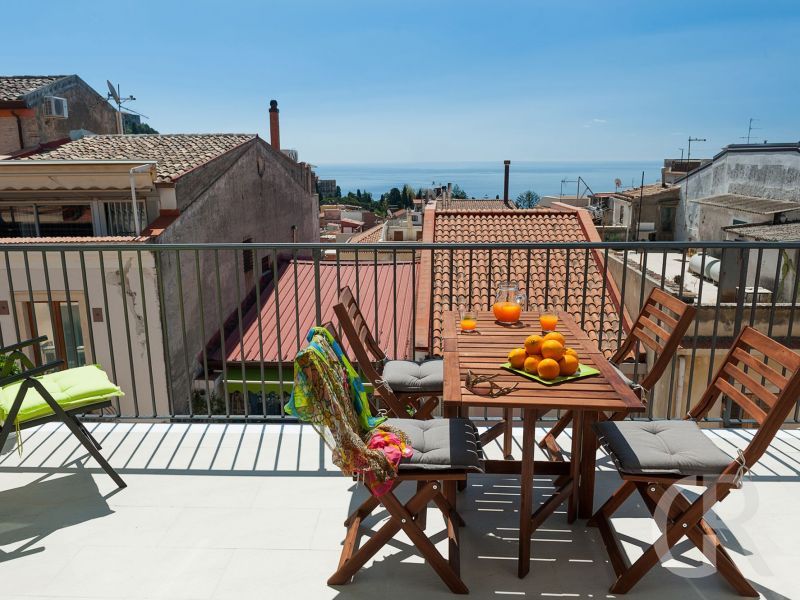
(206, 373)
(257, 265)
(124, 294)
(148, 350)
(240, 325)
(86, 303)
(12, 295)
(222, 337)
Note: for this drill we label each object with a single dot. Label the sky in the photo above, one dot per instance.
(436, 80)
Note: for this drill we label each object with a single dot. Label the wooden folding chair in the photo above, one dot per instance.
(399, 383)
(25, 410)
(445, 450)
(660, 326)
(762, 378)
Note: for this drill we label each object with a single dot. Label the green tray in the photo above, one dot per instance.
(583, 371)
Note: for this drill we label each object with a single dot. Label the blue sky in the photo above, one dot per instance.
(436, 80)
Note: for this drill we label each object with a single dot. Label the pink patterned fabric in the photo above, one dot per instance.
(394, 449)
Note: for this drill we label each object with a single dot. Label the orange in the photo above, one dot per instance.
(532, 363)
(568, 365)
(554, 335)
(552, 349)
(548, 368)
(517, 357)
(571, 352)
(533, 344)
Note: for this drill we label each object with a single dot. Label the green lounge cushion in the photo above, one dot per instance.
(71, 388)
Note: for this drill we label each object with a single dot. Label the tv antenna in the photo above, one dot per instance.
(114, 94)
(750, 130)
(689, 150)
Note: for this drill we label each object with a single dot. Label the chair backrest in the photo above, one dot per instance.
(365, 337)
(355, 329)
(762, 377)
(660, 327)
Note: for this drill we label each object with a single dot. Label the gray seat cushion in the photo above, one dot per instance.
(661, 447)
(405, 376)
(441, 444)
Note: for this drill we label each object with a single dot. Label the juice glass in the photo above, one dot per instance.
(469, 321)
(548, 321)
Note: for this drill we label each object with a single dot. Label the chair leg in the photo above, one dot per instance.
(703, 536)
(70, 422)
(548, 442)
(401, 517)
(676, 529)
(86, 432)
(422, 515)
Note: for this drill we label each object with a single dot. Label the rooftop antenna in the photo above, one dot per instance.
(114, 94)
(750, 130)
(689, 150)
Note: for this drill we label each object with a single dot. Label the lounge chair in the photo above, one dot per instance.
(33, 395)
(762, 378)
(401, 384)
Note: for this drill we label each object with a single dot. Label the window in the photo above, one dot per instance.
(18, 221)
(61, 323)
(72, 220)
(120, 218)
(247, 257)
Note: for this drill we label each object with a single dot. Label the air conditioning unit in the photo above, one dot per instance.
(55, 107)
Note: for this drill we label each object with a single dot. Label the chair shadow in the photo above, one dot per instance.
(50, 503)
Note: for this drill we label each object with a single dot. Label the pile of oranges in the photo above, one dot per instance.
(547, 356)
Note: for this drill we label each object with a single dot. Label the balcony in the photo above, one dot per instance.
(256, 510)
(229, 497)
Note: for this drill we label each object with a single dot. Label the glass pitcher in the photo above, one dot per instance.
(508, 302)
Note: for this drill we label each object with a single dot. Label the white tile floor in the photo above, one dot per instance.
(240, 512)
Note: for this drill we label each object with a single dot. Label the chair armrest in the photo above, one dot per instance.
(31, 372)
(24, 344)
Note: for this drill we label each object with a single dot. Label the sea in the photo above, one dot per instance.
(485, 179)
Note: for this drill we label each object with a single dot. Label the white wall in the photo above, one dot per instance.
(131, 368)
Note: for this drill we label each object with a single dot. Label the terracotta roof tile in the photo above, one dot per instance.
(175, 155)
(300, 307)
(473, 204)
(558, 280)
(14, 87)
(370, 236)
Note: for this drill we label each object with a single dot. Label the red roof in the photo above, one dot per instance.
(301, 308)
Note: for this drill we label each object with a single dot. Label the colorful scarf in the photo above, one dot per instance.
(329, 395)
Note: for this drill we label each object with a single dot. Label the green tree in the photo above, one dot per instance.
(338, 192)
(394, 198)
(133, 127)
(458, 193)
(528, 199)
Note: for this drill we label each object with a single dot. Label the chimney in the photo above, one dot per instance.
(274, 127)
(449, 191)
(507, 166)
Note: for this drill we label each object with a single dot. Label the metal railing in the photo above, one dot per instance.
(202, 332)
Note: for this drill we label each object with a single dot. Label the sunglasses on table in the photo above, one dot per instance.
(484, 385)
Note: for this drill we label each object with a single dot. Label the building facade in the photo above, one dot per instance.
(36, 111)
(211, 188)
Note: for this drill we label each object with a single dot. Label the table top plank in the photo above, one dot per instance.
(484, 351)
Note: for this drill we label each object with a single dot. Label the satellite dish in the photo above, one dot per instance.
(113, 92)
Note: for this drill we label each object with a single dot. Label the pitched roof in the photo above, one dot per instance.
(175, 154)
(14, 87)
(783, 232)
(759, 206)
(647, 191)
(544, 279)
(370, 236)
(474, 204)
(300, 309)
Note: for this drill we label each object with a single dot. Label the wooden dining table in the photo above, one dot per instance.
(481, 352)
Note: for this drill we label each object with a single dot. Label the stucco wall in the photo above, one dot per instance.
(758, 173)
(87, 110)
(129, 369)
(257, 195)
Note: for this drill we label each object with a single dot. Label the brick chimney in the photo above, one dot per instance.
(274, 126)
